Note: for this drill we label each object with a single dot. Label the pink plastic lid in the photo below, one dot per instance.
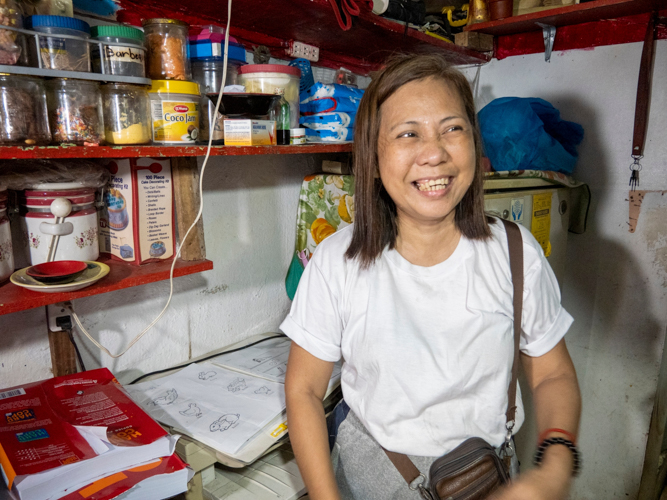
(269, 68)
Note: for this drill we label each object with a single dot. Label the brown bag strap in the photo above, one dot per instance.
(644, 88)
(515, 244)
(402, 463)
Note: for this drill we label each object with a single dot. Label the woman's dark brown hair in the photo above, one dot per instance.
(375, 224)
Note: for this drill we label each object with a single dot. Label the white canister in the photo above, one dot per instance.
(78, 231)
(6, 250)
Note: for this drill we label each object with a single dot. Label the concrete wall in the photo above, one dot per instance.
(616, 281)
(615, 286)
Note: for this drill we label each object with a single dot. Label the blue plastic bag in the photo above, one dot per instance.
(528, 134)
(341, 134)
(327, 98)
(328, 121)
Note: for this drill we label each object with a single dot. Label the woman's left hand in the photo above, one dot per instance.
(550, 481)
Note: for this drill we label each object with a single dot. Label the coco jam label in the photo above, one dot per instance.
(175, 121)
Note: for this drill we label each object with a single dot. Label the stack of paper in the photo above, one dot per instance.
(59, 435)
(243, 390)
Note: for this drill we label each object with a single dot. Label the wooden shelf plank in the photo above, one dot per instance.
(572, 14)
(122, 275)
(274, 23)
(71, 151)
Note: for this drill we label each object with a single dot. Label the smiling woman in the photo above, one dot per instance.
(416, 297)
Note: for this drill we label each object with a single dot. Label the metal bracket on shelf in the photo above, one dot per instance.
(549, 35)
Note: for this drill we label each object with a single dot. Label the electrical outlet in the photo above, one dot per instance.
(58, 316)
(299, 49)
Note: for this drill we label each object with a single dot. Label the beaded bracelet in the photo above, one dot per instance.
(539, 454)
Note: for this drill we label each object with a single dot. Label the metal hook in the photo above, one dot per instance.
(549, 35)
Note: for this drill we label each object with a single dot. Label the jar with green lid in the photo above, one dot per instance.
(127, 114)
(167, 49)
(123, 51)
(174, 111)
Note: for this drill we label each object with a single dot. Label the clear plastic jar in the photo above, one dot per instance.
(268, 79)
(167, 49)
(123, 51)
(68, 54)
(12, 44)
(208, 74)
(23, 117)
(127, 114)
(75, 111)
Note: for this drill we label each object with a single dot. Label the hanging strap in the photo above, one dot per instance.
(402, 462)
(644, 88)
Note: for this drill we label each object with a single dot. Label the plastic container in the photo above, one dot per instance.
(208, 74)
(23, 117)
(6, 249)
(209, 42)
(68, 54)
(297, 136)
(75, 111)
(174, 111)
(35, 208)
(167, 49)
(500, 9)
(12, 44)
(127, 114)
(267, 78)
(124, 53)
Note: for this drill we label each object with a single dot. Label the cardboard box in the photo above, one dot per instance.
(241, 132)
(137, 222)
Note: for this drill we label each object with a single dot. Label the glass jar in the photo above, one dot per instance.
(23, 117)
(208, 74)
(127, 114)
(75, 111)
(268, 78)
(167, 49)
(12, 44)
(68, 54)
(123, 51)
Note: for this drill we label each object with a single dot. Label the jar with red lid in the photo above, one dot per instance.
(78, 240)
(6, 250)
(273, 79)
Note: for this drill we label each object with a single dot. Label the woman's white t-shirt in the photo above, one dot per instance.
(427, 350)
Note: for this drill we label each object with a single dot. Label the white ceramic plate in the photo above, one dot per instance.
(95, 272)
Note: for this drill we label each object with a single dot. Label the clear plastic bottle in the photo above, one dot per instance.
(23, 117)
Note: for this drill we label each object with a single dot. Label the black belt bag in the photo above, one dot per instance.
(473, 470)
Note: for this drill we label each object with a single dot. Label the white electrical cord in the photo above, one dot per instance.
(212, 119)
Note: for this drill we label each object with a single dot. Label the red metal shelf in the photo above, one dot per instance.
(122, 275)
(46, 152)
(565, 16)
(273, 23)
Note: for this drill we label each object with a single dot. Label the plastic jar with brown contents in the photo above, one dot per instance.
(167, 49)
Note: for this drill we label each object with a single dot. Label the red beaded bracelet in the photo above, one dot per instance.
(568, 434)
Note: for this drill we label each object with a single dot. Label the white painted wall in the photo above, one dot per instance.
(616, 282)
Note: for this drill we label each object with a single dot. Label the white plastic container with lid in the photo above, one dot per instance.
(174, 111)
(6, 250)
(78, 236)
(268, 78)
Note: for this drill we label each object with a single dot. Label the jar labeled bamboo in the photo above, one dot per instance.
(167, 49)
(127, 114)
(75, 111)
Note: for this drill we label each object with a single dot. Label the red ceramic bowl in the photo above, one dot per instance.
(59, 271)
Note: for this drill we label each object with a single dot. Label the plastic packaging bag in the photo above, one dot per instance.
(341, 134)
(528, 133)
(328, 121)
(327, 98)
(18, 175)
